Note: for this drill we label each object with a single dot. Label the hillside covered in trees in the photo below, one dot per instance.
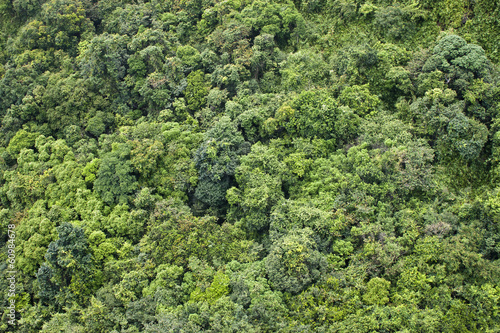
(250, 166)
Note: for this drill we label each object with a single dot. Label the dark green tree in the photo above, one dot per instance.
(115, 181)
(216, 161)
(67, 273)
(460, 62)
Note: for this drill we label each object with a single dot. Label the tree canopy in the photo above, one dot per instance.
(250, 166)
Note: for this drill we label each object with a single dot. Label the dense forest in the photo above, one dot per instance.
(249, 166)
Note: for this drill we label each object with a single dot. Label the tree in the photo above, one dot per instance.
(115, 181)
(314, 114)
(396, 22)
(377, 292)
(189, 56)
(303, 70)
(294, 262)
(66, 275)
(197, 90)
(177, 235)
(166, 286)
(265, 55)
(104, 59)
(485, 27)
(459, 61)
(20, 141)
(129, 19)
(216, 161)
(69, 100)
(62, 24)
(260, 179)
(360, 100)
(271, 18)
(27, 8)
(287, 216)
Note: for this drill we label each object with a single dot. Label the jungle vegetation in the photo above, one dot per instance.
(251, 165)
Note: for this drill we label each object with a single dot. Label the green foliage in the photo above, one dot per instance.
(67, 273)
(377, 292)
(250, 166)
(177, 235)
(104, 58)
(271, 18)
(314, 114)
(448, 126)
(485, 26)
(21, 140)
(461, 62)
(196, 90)
(396, 22)
(303, 70)
(128, 19)
(260, 181)
(216, 161)
(218, 288)
(294, 262)
(166, 285)
(61, 25)
(115, 181)
(188, 55)
(36, 233)
(90, 170)
(359, 99)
